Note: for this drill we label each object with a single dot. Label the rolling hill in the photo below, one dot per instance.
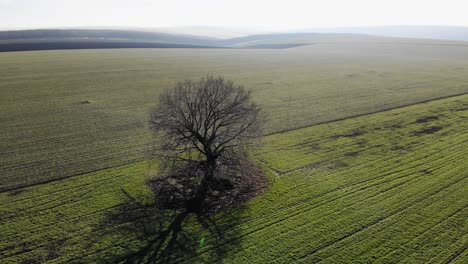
(56, 39)
(421, 32)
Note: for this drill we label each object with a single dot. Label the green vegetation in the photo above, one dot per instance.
(65, 113)
(385, 187)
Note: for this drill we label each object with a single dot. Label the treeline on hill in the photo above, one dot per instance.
(52, 39)
(85, 34)
(64, 45)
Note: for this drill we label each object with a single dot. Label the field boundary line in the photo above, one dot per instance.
(6, 189)
(364, 114)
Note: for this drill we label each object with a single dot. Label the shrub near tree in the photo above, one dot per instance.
(203, 129)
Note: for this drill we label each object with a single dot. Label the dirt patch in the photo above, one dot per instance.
(429, 130)
(362, 142)
(397, 147)
(338, 165)
(426, 119)
(352, 154)
(315, 146)
(353, 134)
(395, 126)
(461, 109)
(31, 261)
(307, 167)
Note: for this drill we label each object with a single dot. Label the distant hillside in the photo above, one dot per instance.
(52, 39)
(65, 45)
(276, 38)
(131, 35)
(94, 34)
(217, 32)
(421, 32)
(269, 40)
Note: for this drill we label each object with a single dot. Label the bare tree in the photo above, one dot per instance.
(205, 123)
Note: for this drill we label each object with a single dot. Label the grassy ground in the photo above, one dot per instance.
(385, 187)
(49, 132)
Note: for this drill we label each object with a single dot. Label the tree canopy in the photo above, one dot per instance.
(205, 124)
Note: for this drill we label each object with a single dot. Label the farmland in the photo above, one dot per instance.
(387, 187)
(365, 147)
(66, 113)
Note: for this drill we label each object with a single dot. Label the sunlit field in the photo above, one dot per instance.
(365, 147)
(64, 113)
(390, 186)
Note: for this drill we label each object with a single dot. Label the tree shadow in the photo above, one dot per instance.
(186, 223)
(174, 235)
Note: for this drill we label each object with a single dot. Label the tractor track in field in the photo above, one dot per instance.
(34, 197)
(322, 204)
(457, 254)
(15, 188)
(441, 222)
(425, 159)
(357, 166)
(336, 198)
(375, 179)
(380, 219)
(296, 206)
(414, 148)
(37, 208)
(33, 231)
(420, 234)
(388, 215)
(39, 227)
(402, 209)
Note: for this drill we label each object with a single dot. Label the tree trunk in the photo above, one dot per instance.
(209, 168)
(208, 175)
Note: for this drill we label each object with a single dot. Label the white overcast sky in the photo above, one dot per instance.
(263, 14)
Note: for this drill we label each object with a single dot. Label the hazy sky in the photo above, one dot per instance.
(264, 14)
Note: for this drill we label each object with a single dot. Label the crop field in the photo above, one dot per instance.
(65, 113)
(385, 187)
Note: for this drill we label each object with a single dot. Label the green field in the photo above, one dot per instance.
(365, 146)
(386, 187)
(48, 134)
